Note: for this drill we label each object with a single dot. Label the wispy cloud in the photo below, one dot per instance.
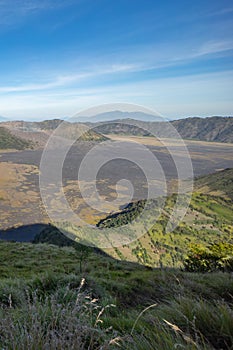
(203, 94)
(142, 65)
(14, 11)
(208, 48)
(212, 47)
(72, 78)
(221, 12)
(147, 60)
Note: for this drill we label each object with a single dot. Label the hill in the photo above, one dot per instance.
(209, 219)
(10, 141)
(46, 301)
(217, 129)
(218, 184)
(38, 133)
(58, 294)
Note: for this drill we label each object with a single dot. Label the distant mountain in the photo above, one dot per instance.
(114, 115)
(2, 119)
(218, 129)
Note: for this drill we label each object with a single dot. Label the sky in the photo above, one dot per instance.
(59, 57)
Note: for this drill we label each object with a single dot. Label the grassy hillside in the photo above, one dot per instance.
(61, 295)
(47, 303)
(209, 219)
(220, 183)
(218, 129)
(9, 141)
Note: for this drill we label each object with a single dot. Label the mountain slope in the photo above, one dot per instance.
(217, 129)
(218, 184)
(38, 133)
(10, 141)
(46, 302)
(209, 219)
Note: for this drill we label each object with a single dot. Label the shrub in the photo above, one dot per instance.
(217, 256)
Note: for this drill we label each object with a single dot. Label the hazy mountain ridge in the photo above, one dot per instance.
(117, 115)
(217, 129)
(2, 119)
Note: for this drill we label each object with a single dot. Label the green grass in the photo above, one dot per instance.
(42, 305)
(209, 220)
(68, 297)
(219, 181)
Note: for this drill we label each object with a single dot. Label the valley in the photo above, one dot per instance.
(116, 175)
(204, 222)
(19, 178)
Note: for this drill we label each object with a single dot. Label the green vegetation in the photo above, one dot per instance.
(9, 141)
(221, 181)
(51, 235)
(131, 211)
(209, 219)
(58, 294)
(45, 302)
(214, 257)
(46, 124)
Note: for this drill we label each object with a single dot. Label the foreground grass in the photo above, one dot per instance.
(46, 302)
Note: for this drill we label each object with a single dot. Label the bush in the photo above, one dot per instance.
(218, 256)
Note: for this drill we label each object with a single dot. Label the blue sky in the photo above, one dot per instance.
(58, 57)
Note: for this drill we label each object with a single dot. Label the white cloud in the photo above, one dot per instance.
(146, 61)
(212, 47)
(220, 12)
(14, 11)
(204, 94)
